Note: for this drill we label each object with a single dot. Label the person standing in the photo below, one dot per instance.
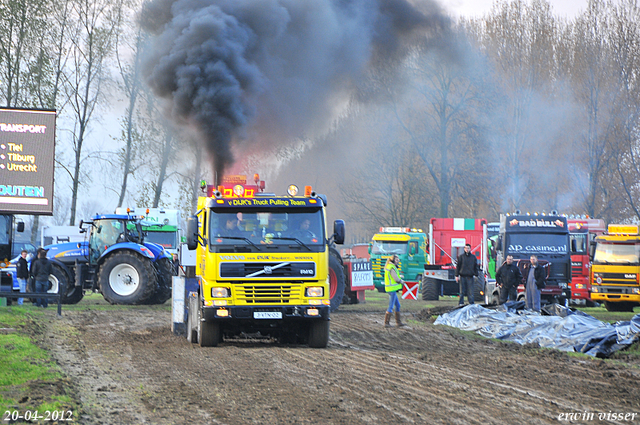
(509, 277)
(536, 277)
(466, 271)
(392, 284)
(40, 271)
(22, 274)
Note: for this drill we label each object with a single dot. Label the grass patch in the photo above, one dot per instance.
(602, 314)
(30, 379)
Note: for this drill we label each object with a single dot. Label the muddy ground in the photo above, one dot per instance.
(127, 367)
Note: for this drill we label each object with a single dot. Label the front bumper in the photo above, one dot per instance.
(247, 313)
(614, 293)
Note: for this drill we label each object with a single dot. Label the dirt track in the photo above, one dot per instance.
(127, 367)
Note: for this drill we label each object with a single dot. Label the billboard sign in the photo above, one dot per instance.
(27, 149)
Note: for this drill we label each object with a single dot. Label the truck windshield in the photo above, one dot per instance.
(282, 229)
(528, 243)
(389, 247)
(617, 253)
(578, 243)
(166, 239)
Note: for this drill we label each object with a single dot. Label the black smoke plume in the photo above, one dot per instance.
(266, 71)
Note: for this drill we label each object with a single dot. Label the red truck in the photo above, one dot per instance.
(582, 233)
(446, 240)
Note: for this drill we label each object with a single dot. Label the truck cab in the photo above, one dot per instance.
(582, 233)
(615, 271)
(264, 265)
(546, 236)
(410, 245)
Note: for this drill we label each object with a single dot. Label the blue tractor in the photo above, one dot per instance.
(115, 260)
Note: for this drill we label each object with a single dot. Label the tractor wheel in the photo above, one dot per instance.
(319, 333)
(336, 282)
(126, 278)
(430, 289)
(69, 293)
(165, 272)
(478, 289)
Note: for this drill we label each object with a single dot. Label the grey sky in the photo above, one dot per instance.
(471, 8)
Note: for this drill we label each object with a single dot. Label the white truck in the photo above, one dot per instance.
(51, 235)
(163, 226)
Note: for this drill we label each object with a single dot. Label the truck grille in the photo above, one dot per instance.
(267, 270)
(268, 294)
(576, 268)
(618, 278)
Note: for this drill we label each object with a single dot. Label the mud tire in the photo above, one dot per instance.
(208, 332)
(336, 282)
(430, 289)
(319, 334)
(478, 289)
(123, 269)
(165, 273)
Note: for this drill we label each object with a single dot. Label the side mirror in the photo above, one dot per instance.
(369, 248)
(592, 251)
(20, 227)
(574, 245)
(338, 232)
(80, 225)
(192, 232)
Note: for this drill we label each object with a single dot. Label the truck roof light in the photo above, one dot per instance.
(238, 190)
(217, 194)
(292, 190)
(148, 211)
(256, 178)
(307, 191)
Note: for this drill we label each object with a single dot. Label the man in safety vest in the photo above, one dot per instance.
(392, 284)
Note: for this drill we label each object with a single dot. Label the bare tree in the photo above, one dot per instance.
(97, 23)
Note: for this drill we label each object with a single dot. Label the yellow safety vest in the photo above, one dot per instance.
(390, 285)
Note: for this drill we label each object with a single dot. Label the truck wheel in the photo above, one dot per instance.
(125, 278)
(495, 298)
(430, 289)
(619, 306)
(336, 282)
(319, 334)
(165, 273)
(478, 289)
(208, 332)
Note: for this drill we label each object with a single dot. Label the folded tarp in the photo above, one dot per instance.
(563, 328)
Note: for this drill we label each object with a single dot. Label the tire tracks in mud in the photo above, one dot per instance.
(129, 368)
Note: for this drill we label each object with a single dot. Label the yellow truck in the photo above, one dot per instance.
(263, 265)
(615, 270)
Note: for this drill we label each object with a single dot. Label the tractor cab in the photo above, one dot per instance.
(112, 229)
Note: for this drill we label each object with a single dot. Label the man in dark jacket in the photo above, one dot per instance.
(535, 281)
(466, 270)
(22, 273)
(509, 277)
(40, 270)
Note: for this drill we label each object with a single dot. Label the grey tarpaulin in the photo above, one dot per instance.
(563, 329)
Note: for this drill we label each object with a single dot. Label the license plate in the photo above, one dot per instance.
(267, 315)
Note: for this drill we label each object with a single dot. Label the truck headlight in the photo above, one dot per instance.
(580, 286)
(635, 290)
(218, 292)
(594, 289)
(562, 285)
(314, 291)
